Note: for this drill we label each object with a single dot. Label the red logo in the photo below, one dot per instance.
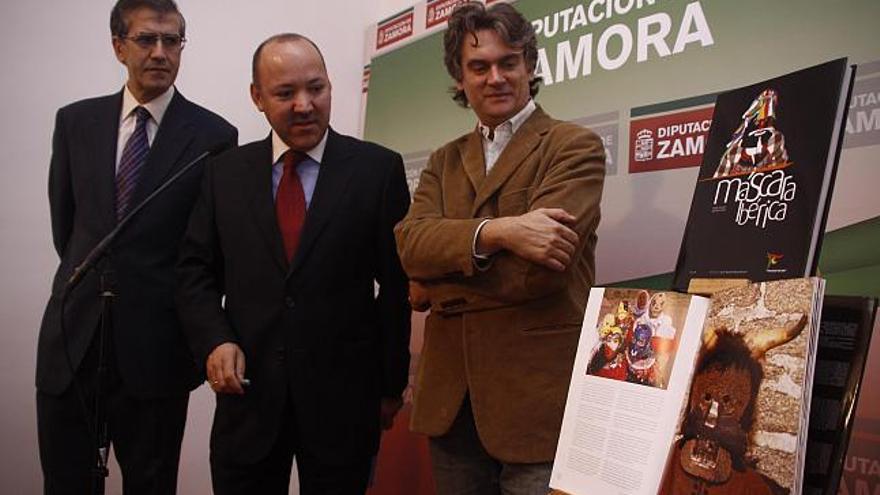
(438, 11)
(773, 259)
(674, 140)
(394, 29)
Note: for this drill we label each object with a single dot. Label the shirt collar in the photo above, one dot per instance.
(157, 106)
(279, 147)
(514, 122)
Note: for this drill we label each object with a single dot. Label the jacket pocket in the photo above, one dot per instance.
(555, 328)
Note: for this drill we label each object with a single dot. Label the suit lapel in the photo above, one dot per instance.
(524, 141)
(334, 173)
(102, 135)
(174, 136)
(471, 150)
(257, 183)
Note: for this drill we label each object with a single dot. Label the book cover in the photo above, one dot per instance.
(844, 340)
(763, 189)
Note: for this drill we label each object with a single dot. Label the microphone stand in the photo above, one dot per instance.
(106, 293)
(100, 250)
(101, 435)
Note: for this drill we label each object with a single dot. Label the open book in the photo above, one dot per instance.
(673, 393)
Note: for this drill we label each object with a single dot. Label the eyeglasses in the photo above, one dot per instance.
(149, 40)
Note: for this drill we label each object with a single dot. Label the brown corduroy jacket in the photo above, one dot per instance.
(506, 335)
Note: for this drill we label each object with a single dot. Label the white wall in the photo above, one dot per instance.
(58, 51)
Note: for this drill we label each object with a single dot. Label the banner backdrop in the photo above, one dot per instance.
(643, 75)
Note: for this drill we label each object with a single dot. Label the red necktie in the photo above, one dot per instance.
(290, 203)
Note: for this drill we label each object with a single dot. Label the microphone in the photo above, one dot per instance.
(100, 250)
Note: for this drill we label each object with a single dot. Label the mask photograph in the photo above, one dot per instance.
(637, 336)
(738, 415)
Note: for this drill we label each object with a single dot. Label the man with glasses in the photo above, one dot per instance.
(108, 154)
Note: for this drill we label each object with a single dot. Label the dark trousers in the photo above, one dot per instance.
(145, 435)
(462, 466)
(271, 475)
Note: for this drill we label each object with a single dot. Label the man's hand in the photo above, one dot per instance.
(418, 296)
(541, 236)
(387, 410)
(225, 369)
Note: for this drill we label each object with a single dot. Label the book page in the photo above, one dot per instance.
(630, 376)
(746, 418)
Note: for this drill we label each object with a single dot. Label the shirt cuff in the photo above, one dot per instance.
(482, 262)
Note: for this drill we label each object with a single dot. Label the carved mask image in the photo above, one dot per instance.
(718, 419)
(612, 344)
(641, 347)
(757, 143)
(640, 305)
(658, 304)
(721, 403)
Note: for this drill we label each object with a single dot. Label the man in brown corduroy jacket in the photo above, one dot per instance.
(499, 243)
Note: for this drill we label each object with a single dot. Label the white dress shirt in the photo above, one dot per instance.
(127, 119)
(494, 142)
(307, 169)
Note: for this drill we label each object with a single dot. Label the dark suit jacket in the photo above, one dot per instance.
(316, 333)
(151, 352)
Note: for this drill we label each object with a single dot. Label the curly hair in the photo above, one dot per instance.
(511, 26)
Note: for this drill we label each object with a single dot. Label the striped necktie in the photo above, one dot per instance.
(134, 155)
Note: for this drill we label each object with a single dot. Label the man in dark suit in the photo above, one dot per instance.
(108, 154)
(307, 355)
